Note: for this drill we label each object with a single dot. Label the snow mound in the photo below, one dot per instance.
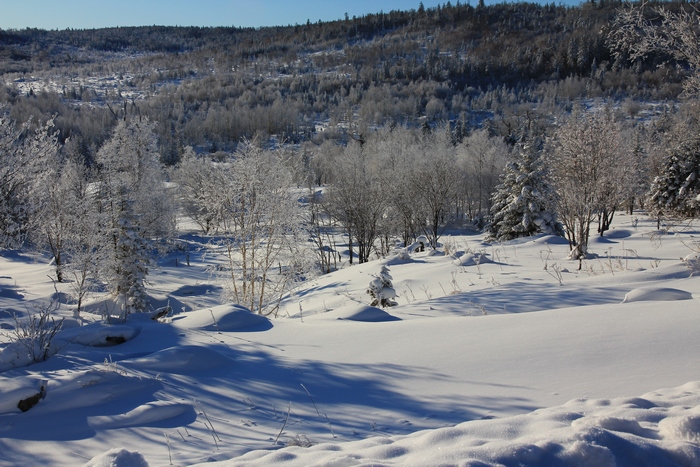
(659, 294)
(363, 313)
(619, 233)
(117, 457)
(185, 359)
(13, 390)
(471, 259)
(98, 334)
(222, 318)
(149, 414)
(551, 240)
(662, 428)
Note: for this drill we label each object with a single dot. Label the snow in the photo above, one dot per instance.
(493, 362)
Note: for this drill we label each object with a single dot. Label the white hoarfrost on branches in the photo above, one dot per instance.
(32, 339)
(583, 161)
(358, 199)
(640, 30)
(436, 182)
(135, 209)
(258, 220)
(27, 160)
(197, 179)
(481, 160)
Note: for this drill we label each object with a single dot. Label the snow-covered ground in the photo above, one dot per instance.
(489, 358)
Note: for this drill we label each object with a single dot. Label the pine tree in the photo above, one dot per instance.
(676, 190)
(521, 203)
(382, 290)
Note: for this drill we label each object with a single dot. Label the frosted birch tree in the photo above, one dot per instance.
(585, 174)
(27, 161)
(259, 222)
(435, 182)
(357, 198)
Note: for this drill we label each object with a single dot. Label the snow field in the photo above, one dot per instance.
(488, 362)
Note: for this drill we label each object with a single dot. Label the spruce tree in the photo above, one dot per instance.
(521, 204)
(135, 209)
(382, 290)
(676, 190)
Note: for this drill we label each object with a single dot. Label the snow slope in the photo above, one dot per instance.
(488, 360)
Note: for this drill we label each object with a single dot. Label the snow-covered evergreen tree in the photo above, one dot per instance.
(135, 208)
(382, 290)
(676, 190)
(522, 202)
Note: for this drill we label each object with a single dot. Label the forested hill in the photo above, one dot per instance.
(210, 87)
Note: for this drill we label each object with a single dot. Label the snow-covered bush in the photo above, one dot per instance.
(382, 290)
(32, 338)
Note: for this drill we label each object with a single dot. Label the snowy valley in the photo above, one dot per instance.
(496, 353)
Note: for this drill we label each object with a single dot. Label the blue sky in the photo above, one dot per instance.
(87, 14)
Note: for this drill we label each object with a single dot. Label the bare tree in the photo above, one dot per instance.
(259, 222)
(640, 30)
(435, 182)
(583, 164)
(357, 198)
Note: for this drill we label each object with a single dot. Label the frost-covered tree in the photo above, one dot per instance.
(27, 159)
(196, 181)
(645, 28)
(135, 209)
(82, 244)
(585, 174)
(635, 162)
(676, 190)
(522, 203)
(398, 153)
(381, 289)
(357, 198)
(435, 182)
(260, 219)
(481, 159)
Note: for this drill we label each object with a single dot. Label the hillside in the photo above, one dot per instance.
(503, 66)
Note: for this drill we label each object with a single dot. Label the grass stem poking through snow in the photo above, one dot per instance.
(216, 325)
(167, 440)
(289, 409)
(312, 399)
(210, 424)
(317, 412)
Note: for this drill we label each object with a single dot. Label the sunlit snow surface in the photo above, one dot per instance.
(495, 355)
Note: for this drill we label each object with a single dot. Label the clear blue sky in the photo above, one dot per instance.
(88, 14)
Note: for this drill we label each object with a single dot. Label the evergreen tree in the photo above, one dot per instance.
(677, 189)
(135, 208)
(382, 290)
(521, 203)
